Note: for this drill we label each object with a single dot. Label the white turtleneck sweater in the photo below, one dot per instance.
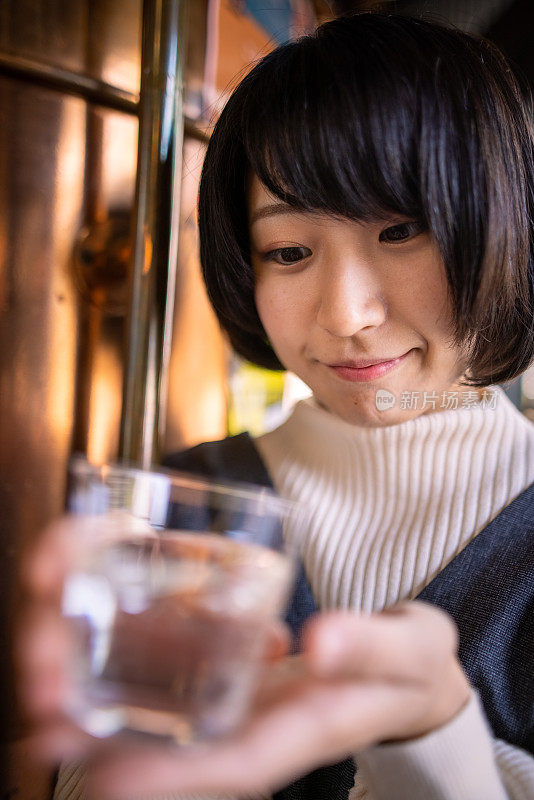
(390, 507)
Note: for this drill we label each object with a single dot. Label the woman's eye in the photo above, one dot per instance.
(401, 232)
(287, 255)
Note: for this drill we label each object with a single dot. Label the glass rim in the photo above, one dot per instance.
(79, 465)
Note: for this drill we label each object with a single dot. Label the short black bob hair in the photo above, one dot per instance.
(377, 113)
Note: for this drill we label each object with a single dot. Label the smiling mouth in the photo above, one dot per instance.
(362, 363)
(365, 369)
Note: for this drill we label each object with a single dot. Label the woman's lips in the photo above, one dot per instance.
(369, 373)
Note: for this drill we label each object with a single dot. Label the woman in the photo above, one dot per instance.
(365, 220)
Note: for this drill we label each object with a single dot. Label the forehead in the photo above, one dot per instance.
(262, 204)
(258, 196)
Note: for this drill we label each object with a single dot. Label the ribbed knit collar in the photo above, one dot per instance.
(309, 412)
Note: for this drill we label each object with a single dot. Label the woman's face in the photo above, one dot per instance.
(336, 296)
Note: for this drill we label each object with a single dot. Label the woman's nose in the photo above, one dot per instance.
(350, 300)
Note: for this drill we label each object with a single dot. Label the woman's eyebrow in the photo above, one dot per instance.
(272, 210)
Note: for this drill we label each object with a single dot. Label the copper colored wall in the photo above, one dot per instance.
(64, 163)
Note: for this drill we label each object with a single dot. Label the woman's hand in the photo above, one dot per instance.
(42, 646)
(360, 680)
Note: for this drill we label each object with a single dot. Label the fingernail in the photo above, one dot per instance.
(328, 651)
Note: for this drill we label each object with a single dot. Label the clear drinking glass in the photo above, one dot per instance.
(173, 589)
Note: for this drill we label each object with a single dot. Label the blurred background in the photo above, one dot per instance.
(107, 342)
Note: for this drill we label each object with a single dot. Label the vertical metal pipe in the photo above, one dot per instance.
(156, 235)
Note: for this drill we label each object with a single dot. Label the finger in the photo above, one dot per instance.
(237, 766)
(271, 752)
(406, 642)
(278, 641)
(41, 654)
(320, 723)
(46, 563)
(59, 739)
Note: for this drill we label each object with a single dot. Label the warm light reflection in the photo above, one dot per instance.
(104, 405)
(241, 43)
(118, 45)
(119, 157)
(196, 401)
(147, 261)
(70, 164)
(61, 344)
(3, 259)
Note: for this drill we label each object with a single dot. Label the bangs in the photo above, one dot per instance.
(342, 135)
